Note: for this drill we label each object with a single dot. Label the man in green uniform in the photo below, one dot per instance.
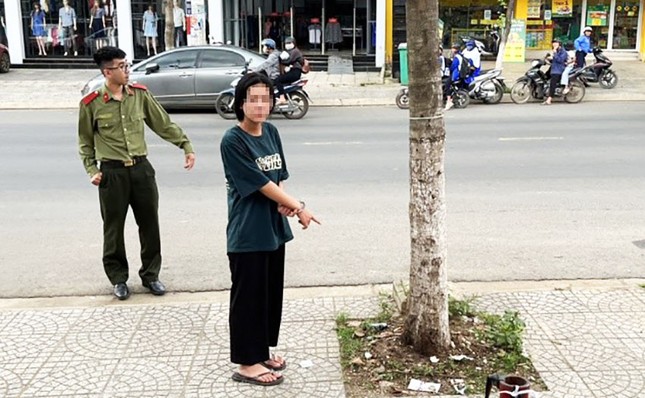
(113, 150)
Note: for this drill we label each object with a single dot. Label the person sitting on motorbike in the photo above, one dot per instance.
(571, 61)
(444, 65)
(475, 57)
(583, 46)
(270, 67)
(292, 60)
(558, 63)
(455, 66)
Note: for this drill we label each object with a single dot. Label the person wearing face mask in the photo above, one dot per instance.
(292, 60)
(271, 67)
(473, 54)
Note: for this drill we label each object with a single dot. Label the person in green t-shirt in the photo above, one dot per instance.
(258, 207)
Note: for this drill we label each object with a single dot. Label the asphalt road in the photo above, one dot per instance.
(532, 193)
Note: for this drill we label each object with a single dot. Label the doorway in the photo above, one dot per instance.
(616, 23)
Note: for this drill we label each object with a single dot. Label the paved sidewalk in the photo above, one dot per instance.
(586, 338)
(60, 88)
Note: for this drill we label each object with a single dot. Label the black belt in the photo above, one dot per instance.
(118, 164)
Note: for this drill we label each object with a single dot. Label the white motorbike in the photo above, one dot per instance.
(488, 87)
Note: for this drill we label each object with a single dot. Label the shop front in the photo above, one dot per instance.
(319, 26)
(617, 24)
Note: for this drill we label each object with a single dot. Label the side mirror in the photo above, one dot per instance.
(151, 68)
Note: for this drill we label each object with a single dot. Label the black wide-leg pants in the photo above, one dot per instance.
(256, 304)
(123, 187)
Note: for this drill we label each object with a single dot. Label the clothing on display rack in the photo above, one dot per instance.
(333, 32)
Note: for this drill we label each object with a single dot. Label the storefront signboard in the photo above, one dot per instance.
(516, 43)
(534, 9)
(597, 15)
(562, 8)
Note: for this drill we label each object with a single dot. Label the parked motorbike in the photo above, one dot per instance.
(488, 87)
(460, 98)
(535, 84)
(488, 45)
(599, 72)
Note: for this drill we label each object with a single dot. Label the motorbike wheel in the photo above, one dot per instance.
(461, 99)
(224, 106)
(403, 100)
(608, 79)
(576, 93)
(521, 92)
(499, 93)
(299, 100)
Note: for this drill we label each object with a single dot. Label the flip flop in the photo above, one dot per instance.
(276, 368)
(256, 380)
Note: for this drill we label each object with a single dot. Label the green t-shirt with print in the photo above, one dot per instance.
(250, 162)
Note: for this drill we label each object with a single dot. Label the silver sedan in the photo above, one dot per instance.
(188, 77)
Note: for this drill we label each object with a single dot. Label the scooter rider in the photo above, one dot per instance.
(558, 63)
(475, 57)
(271, 67)
(583, 46)
(455, 66)
(292, 60)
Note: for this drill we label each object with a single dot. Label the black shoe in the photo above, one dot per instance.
(157, 288)
(121, 291)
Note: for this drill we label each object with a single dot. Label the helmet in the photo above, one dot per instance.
(269, 43)
(587, 29)
(556, 41)
(290, 39)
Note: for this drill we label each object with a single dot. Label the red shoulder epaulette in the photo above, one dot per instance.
(90, 97)
(139, 86)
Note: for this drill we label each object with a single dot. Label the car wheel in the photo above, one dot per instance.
(5, 63)
(224, 106)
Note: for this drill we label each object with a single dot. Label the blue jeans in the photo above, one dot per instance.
(564, 80)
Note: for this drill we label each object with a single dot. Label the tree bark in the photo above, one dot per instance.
(510, 14)
(169, 31)
(426, 325)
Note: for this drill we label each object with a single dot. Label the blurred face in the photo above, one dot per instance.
(289, 46)
(555, 45)
(36, 7)
(587, 33)
(118, 72)
(265, 49)
(258, 103)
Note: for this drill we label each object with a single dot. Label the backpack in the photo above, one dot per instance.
(464, 67)
(306, 66)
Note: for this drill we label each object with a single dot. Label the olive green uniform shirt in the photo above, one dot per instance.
(109, 129)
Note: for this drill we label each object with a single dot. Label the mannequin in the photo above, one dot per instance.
(97, 23)
(179, 18)
(149, 22)
(67, 25)
(38, 28)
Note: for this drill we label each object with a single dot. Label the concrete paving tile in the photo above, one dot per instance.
(163, 319)
(308, 309)
(97, 345)
(599, 325)
(545, 356)
(592, 354)
(146, 344)
(15, 347)
(622, 300)
(16, 375)
(5, 318)
(71, 378)
(549, 302)
(566, 385)
(116, 319)
(149, 377)
(357, 307)
(28, 323)
(616, 383)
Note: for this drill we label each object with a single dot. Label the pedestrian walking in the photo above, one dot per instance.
(583, 46)
(114, 154)
(558, 64)
(258, 206)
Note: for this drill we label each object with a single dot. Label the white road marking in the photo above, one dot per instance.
(334, 143)
(530, 138)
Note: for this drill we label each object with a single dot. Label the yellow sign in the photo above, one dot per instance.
(562, 8)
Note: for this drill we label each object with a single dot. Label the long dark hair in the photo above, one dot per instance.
(242, 88)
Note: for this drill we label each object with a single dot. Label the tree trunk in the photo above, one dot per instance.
(510, 14)
(426, 325)
(169, 32)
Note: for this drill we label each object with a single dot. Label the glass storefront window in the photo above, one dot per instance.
(149, 23)
(625, 25)
(469, 18)
(566, 23)
(67, 28)
(598, 19)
